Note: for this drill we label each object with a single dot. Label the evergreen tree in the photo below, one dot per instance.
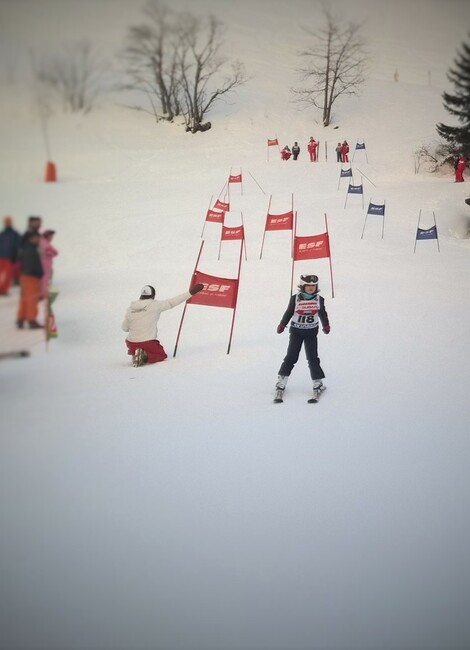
(458, 104)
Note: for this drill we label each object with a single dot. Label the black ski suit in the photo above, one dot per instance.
(306, 314)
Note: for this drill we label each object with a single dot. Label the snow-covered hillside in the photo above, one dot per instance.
(175, 506)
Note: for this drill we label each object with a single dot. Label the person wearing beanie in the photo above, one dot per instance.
(306, 310)
(141, 320)
(10, 241)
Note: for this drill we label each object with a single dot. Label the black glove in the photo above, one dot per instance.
(196, 289)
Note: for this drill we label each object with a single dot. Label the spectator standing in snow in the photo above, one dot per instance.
(312, 149)
(34, 225)
(10, 241)
(460, 168)
(30, 281)
(48, 252)
(345, 152)
(295, 150)
(286, 153)
(339, 152)
(305, 311)
(141, 321)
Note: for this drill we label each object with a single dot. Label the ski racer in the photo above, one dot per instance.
(306, 310)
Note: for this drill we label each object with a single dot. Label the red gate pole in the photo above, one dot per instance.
(329, 257)
(186, 303)
(204, 226)
(293, 255)
(236, 298)
(264, 233)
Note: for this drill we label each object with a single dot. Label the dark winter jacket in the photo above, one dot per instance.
(10, 241)
(305, 314)
(30, 260)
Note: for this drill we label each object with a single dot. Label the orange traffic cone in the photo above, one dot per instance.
(51, 175)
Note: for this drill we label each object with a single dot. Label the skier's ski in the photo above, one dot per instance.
(316, 395)
(279, 396)
(14, 355)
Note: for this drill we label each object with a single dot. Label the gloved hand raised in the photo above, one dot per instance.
(196, 289)
(280, 328)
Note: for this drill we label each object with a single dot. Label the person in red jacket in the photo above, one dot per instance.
(460, 168)
(286, 153)
(312, 149)
(344, 151)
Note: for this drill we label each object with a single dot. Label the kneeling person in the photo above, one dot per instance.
(141, 321)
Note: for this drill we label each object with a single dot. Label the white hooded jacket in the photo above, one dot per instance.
(142, 317)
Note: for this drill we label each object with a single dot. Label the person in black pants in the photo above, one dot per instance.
(306, 310)
(295, 150)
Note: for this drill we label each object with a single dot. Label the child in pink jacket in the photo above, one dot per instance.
(48, 252)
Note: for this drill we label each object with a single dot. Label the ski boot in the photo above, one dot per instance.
(318, 388)
(139, 358)
(280, 387)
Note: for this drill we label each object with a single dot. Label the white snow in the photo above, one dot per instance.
(174, 506)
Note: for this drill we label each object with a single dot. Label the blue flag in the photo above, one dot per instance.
(376, 209)
(346, 172)
(355, 189)
(360, 145)
(430, 233)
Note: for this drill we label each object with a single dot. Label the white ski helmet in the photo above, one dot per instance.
(308, 280)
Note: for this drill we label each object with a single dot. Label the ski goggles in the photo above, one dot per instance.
(309, 279)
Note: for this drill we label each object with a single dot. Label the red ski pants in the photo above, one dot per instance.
(153, 348)
(29, 298)
(6, 275)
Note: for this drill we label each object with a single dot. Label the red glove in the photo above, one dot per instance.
(326, 329)
(280, 328)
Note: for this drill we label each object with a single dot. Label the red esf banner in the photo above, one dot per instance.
(311, 248)
(217, 292)
(272, 143)
(232, 233)
(220, 205)
(280, 221)
(235, 179)
(215, 216)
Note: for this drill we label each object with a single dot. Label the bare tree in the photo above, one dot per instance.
(176, 60)
(202, 77)
(332, 66)
(152, 56)
(74, 76)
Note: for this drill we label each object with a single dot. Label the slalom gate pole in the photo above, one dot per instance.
(294, 233)
(186, 303)
(383, 222)
(264, 233)
(417, 228)
(294, 216)
(437, 234)
(244, 241)
(256, 182)
(329, 257)
(364, 226)
(204, 226)
(366, 177)
(236, 298)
